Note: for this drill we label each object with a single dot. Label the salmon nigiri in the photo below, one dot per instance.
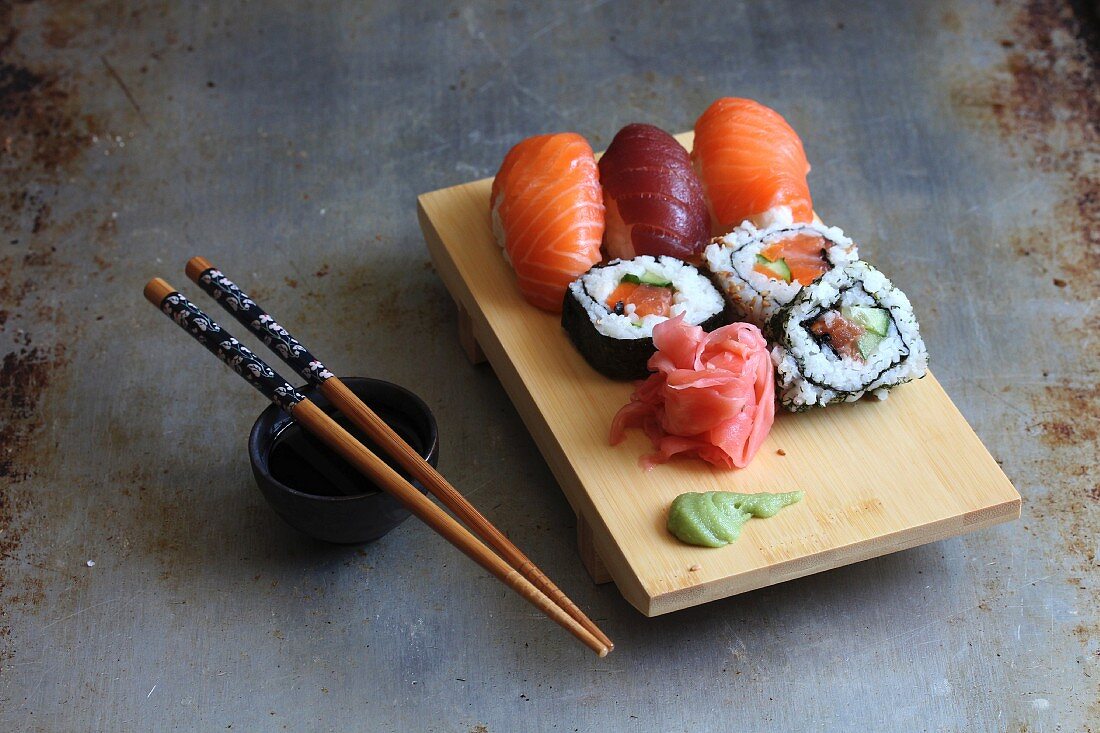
(548, 214)
(751, 163)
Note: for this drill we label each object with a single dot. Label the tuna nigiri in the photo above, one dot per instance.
(548, 214)
(751, 163)
(654, 200)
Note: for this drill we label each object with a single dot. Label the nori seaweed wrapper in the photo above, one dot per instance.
(615, 358)
(800, 387)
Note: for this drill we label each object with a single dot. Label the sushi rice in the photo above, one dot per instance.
(619, 344)
(811, 372)
(693, 295)
(756, 297)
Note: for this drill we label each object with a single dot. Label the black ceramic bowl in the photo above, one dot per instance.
(317, 492)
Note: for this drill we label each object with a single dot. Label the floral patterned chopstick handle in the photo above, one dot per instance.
(257, 320)
(238, 357)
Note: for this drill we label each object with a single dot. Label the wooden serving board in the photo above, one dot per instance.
(878, 476)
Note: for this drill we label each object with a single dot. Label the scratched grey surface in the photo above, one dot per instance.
(287, 141)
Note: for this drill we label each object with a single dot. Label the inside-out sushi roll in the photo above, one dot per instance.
(610, 311)
(762, 270)
(848, 334)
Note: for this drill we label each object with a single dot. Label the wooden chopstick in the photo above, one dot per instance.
(299, 358)
(312, 418)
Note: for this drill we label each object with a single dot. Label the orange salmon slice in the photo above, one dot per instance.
(648, 300)
(804, 255)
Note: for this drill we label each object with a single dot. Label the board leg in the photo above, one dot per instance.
(466, 336)
(589, 557)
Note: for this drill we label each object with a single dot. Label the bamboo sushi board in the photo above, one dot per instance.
(879, 476)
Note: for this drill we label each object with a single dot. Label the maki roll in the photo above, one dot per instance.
(762, 270)
(610, 311)
(848, 334)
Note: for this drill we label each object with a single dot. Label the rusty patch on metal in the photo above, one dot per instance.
(43, 135)
(1075, 412)
(24, 376)
(37, 114)
(65, 24)
(1042, 102)
(1051, 79)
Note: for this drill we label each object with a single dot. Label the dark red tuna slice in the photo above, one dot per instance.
(655, 204)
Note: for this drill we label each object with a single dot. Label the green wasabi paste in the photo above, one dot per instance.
(715, 518)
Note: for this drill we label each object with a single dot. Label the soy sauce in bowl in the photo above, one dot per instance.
(299, 460)
(315, 490)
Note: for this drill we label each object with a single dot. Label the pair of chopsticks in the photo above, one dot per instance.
(511, 566)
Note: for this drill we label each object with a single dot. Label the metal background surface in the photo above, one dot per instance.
(287, 141)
